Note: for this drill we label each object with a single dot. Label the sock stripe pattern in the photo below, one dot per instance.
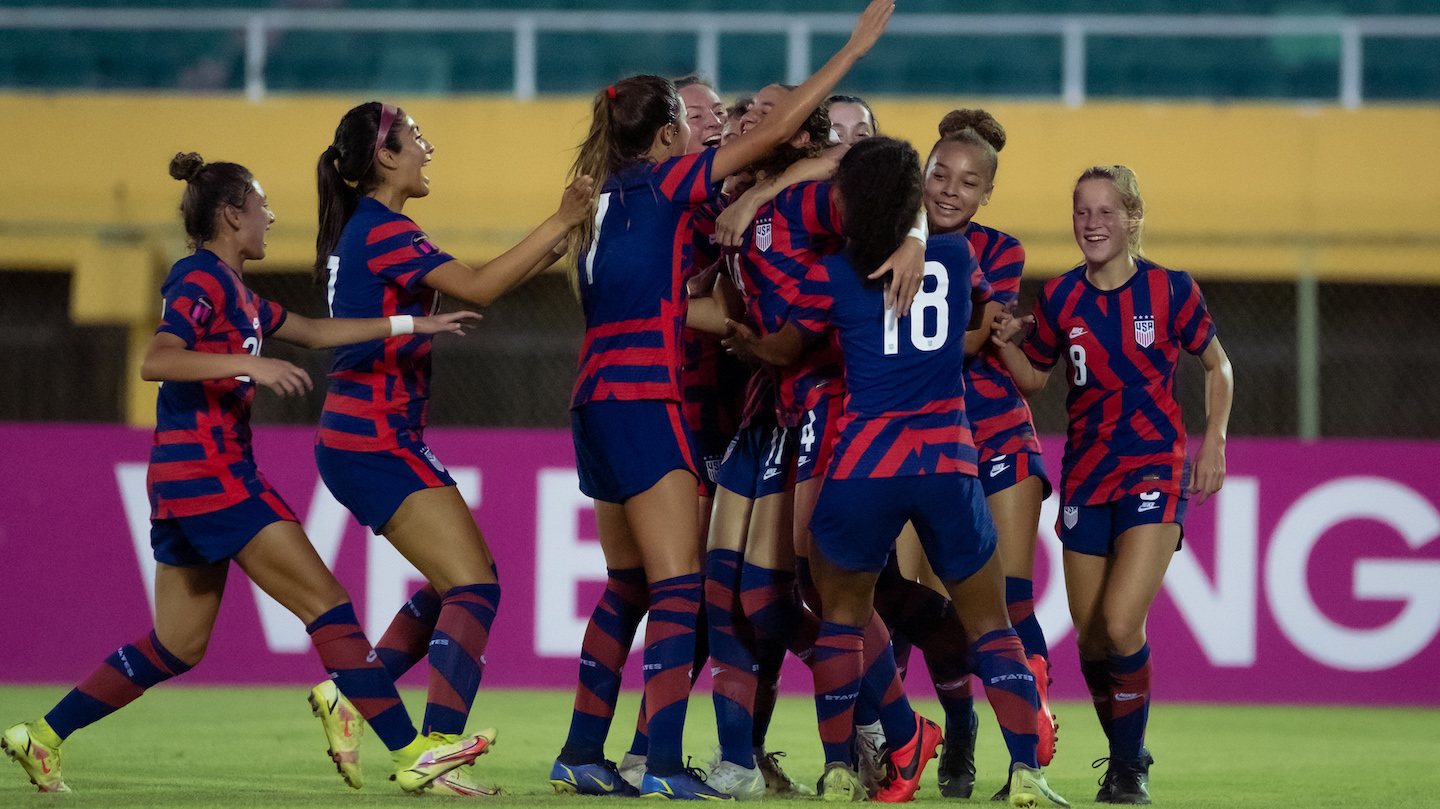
(1020, 603)
(838, 663)
(123, 677)
(1098, 681)
(775, 612)
(1130, 703)
(357, 672)
(669, 653)
(767, 689)
(734, 668)
(407, 640)
(999, 659)
(602, 659)
(457, 655)
(882, 687)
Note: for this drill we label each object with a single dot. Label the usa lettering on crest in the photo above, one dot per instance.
(1145, 331)
(762, 235)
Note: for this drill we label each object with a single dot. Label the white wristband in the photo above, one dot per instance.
(921, 229)
(401, 324)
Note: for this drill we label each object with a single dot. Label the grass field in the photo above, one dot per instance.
(259, 747)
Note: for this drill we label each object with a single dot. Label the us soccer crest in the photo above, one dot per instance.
(762, 235)
(1071, 515)
(1145, 330)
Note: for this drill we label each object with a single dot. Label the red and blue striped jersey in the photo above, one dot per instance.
(999, 415)
(1125, 435)
(379, 395)
(790, 235)
(201, 460)
(632, 280)
(904, 378)
(713, 381)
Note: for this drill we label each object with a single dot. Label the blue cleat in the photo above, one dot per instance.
(600, 778)
(686, 785)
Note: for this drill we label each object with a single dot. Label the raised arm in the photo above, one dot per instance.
(1209, 474)
(482, 285)
(732, 223)
(789, 114)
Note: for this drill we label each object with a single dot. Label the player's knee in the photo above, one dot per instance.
(1124, 633)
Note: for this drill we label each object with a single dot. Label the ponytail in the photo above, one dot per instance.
(347, 171)
(623, 121)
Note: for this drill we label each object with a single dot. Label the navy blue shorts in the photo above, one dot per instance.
(1092, 529)
(1003, 471)
(857, 520)
(760, 461)
(372, 485)
(205, 539)
(818, 434)
(624, 448)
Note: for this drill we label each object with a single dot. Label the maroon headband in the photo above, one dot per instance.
(388, 113)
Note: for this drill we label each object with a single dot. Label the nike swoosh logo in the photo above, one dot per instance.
(998, 469)
(603, 785)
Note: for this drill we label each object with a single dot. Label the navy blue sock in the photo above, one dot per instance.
(1020, 603)
(1130, 702)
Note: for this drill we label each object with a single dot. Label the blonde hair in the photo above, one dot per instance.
(1128, 187)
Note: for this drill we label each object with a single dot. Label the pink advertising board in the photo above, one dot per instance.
(1314, 577)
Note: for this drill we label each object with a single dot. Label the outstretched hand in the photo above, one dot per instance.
(280, 376)
(454, 322)
(870, 26)
(576, 201)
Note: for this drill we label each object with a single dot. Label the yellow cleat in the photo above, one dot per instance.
(459, 782)
(1028, 789)
(841, 783)
(344, 728)
(440, 757)
(41, 761)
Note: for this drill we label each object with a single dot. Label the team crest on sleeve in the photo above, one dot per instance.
(1145, 330)
(423, 245)
(762, 234)
(202, 311)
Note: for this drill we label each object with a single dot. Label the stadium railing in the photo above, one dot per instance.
(799, 30)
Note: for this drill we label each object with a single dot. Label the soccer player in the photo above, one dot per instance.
(851, 119)
(211, 505)
(959, 180)
(1120, 321)
(374, 260)
(632, 446)
(904, 454)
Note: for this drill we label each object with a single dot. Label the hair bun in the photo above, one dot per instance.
(186, 166)
(981, 121)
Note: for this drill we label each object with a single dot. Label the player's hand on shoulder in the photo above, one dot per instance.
(454, 322)
(575, 202)
(906, 267)
(731, 224)
(286, 379)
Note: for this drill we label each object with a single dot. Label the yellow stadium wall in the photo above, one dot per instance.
(1241, 192)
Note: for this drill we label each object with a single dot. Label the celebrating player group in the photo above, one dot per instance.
(800, 411)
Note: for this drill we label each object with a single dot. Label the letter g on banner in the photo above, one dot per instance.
(1415, 582)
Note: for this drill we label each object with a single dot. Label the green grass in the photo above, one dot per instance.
(221, 747)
